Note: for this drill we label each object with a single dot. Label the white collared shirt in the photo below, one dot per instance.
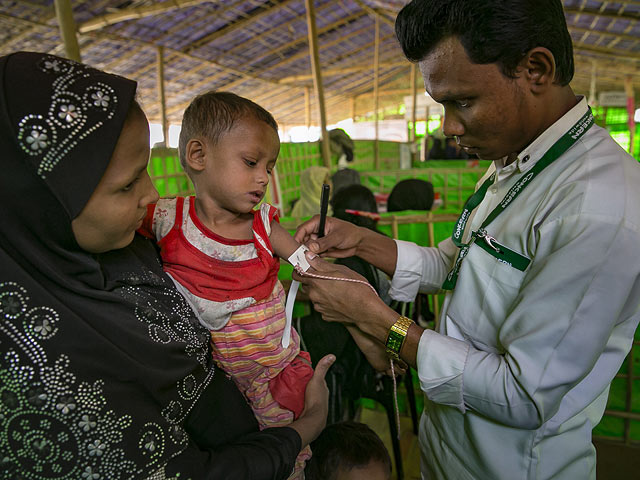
(518, 374)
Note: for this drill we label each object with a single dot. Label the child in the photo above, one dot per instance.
(223, 255)
(348, 451)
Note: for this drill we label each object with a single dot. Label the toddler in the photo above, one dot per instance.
(223, 254)
(349, 451)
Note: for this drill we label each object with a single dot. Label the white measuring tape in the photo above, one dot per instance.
(299, 261)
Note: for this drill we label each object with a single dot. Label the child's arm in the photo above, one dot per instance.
(284, 245)
(282, 242)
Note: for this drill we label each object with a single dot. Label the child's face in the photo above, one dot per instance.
(119, 203)
(238, 168)
(372, 471)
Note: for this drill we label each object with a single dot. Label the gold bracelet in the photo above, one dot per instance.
(396, 336)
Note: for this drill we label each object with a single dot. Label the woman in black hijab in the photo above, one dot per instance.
(411, 194)
(104, 371)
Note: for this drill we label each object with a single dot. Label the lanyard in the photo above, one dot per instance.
(489, 243)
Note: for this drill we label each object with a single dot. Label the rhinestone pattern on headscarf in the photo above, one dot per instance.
(63, 428)
(72, 115)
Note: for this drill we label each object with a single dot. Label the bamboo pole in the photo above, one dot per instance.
(375, 12)
(328, 72)
(307, 119)
(307, 107)
(592, 84)
(64, 12)
(376, 87)
(133, 13)
(161, 96)
(317, 80)
(414, 113)
(424, 155)
(394, 227)
(631, 109)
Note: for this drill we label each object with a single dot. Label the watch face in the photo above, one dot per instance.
(394, 342)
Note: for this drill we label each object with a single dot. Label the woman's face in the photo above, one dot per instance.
(119, 203)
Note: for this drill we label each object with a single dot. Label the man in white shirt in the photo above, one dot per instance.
(542, 271)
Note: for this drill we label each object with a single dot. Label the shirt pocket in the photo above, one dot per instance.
(486, 291)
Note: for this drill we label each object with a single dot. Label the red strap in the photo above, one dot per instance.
(179, 209)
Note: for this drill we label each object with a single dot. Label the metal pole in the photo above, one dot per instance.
(376, 99)
(64, 12)
(161, 95)
(317, 80)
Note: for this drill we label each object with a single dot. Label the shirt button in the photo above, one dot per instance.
(493, 189)
(525, 159)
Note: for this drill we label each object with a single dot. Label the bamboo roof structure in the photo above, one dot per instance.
(260, 49)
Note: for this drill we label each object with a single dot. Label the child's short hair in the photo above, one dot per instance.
(343, 446)
(213, 113)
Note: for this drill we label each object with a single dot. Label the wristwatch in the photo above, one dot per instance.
(396, 336)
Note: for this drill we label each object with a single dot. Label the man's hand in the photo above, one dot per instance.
(336, 300)
(375, 352)
(341, 238)
(349, 302)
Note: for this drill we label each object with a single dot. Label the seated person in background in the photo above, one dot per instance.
(414, 194)
(349, 451)
(411, 194)
(341, 146)
(357, 204)
(344, 178)
(223, 255)
(436, 152)
(311, 180)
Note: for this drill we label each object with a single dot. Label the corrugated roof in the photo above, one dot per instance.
(259, 48)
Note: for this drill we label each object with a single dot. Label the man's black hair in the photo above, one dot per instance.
(213, 113)
(344, 446)
(491, 31)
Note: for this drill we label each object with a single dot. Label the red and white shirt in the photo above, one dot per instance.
(217, 275)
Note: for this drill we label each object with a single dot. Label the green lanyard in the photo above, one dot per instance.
(488, 243)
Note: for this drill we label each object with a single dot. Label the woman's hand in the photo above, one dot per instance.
(341, 238)
(316, 404)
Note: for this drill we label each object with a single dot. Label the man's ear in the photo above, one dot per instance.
(195, 154)
(539, 68)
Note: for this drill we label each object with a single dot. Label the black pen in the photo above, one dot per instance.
(324, 205)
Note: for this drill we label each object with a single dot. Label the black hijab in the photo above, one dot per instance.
(101, 360)
(411, 194)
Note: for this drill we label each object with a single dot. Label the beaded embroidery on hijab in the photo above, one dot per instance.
(68, 113)
(101, 359)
